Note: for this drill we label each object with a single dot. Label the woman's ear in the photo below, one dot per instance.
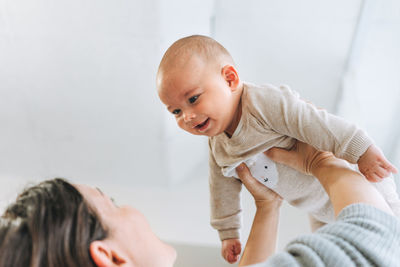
(104, 256)
(230, 74)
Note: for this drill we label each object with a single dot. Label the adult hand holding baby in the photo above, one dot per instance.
(344, 187)
(262, 194)
(265, 199)
(262, 240)
(265, 223)
(302, 157)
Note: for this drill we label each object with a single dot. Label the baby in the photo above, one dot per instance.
(198, 82)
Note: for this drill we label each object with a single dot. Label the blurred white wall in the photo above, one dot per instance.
(78, 98)
(370, 94)
(183, 153)
(303, 44)
(77, 90)
(77, 95)
(371, 85)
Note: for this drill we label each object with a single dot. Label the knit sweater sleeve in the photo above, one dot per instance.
(285, 113)
(362, 236)
(224, 201)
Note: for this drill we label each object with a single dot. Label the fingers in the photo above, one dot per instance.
(232, 258)
(373, 178)
(228, 257)
(279, 155)
(235, 253)
(391, 168)
(379, 173)
(231, 254)
(382, 172)
(293, 158)
(387, 166)
(237, 249)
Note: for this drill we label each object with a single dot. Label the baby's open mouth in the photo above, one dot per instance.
(199, 126)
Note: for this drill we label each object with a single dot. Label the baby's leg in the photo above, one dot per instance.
(314, 223)
(387, 187)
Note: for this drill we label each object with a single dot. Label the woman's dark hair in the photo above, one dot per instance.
(49, 224)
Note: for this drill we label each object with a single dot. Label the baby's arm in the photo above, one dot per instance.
(291, 116)
(225, 210)
(374, 165)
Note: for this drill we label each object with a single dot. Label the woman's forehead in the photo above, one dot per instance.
(89, 193)
(96, 199)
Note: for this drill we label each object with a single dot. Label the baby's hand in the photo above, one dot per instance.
(231, 249)
(374, 165)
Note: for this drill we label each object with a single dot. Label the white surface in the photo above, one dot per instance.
(371, 84)
(77, 91)
(303, 44)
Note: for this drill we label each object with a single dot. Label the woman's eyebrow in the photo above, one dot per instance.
(101, 192)
(112, 199)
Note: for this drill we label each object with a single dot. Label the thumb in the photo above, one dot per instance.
(243, 172)
(245, 175)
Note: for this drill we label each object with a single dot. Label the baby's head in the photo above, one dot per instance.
(200, 86)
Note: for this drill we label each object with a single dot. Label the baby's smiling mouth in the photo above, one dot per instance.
(201, 125)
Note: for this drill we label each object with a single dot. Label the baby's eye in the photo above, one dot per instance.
(176, 111)
(193, 99)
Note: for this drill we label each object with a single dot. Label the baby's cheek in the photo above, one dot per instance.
(180, 123)
(183, 127)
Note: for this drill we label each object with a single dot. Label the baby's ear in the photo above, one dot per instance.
(230, 75)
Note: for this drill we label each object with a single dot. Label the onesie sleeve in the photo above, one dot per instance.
(287, 114)
(225, 202)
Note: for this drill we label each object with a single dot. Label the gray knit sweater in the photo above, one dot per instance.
(362, 236)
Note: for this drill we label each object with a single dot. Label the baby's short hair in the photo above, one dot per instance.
(203, 46)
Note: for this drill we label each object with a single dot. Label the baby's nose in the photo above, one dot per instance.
(188, 116)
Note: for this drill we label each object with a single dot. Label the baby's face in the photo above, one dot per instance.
(198, 96)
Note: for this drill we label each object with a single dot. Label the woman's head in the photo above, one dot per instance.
(53, 222)
(58, 224)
